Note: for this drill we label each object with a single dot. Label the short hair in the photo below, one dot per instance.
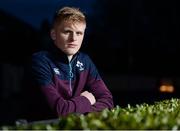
(69, 14)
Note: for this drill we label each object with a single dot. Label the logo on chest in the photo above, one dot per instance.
(80, 65)
(56, 70)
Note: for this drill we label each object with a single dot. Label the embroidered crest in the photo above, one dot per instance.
(56, 70)
(80, 65)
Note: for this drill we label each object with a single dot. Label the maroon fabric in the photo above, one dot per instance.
(64, 102)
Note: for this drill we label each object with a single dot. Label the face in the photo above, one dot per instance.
(68, 37)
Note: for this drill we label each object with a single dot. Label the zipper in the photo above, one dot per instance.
(70, 76)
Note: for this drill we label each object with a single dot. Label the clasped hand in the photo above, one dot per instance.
(89, 96)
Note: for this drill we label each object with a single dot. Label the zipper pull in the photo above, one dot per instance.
(70, 72)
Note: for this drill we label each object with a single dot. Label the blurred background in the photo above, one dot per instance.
(134, 43)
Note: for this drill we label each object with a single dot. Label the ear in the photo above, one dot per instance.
(53, 34)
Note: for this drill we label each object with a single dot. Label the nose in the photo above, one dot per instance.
(73, 37)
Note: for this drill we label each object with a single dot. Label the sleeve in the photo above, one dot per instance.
(43, 76)
(97, 86)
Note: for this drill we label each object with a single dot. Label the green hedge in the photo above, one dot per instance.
(160, 115)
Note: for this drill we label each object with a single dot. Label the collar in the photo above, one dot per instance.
(59, 55)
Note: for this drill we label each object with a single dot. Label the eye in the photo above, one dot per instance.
(79, 33)
(67, 32)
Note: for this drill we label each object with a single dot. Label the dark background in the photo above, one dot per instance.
(134, 44)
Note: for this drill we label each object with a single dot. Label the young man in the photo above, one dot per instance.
(68, 78)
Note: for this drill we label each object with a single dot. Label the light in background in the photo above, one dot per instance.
(166, 86)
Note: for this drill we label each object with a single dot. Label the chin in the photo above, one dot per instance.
(71, 53)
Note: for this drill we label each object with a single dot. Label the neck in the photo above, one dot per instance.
(70, 57)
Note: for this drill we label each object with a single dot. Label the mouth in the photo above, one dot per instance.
(71, 45)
